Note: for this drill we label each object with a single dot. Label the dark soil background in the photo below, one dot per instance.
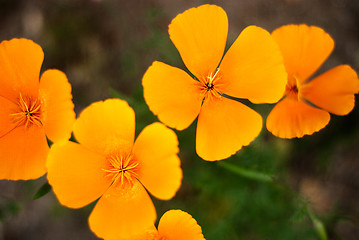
(105, 47)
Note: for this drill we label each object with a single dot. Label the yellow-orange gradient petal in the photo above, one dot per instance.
(106, 126)
(223, 127)
(291, 118)
(200, 36)
(304, 48)
(20, 63)
(76, 174)
(7, 122)
(23, 153)
(58, 109)
(156, 149)
(253, 68)
(149, 234)
(172, 95)
(122, 212)
(179, 225)
(333, 90)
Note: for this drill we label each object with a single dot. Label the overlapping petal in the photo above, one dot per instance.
(291, 118)
(106, 126)
(76, 174)
(172, 95)
(200, 36)
(156, 149)
(304, 48)
(253, 68)
(23, 153)
(223, 127)
(58, 109)
(179, 225)
(123, 212)
(333, 90)
(20, 61)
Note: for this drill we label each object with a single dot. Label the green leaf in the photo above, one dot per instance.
(44, 189)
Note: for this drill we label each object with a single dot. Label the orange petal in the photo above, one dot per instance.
(123, 212)
(148, 234)
(171, 94)
(253, 68)
(291, 118)
(20, 63)
(59, 115)
(304, 48)
(6, 120)
(156, 148)
(223, 127)
(76, 174)
(334, 90)
(200, 36)
(179, 225)
(106, 126)
(23, 153)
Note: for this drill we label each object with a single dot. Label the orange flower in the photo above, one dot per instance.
(30, 110)
(251, 69)
(109, 165)
(173, 225)
(307, 102)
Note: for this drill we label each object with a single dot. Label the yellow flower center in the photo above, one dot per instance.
(209, 85)
(28, 112)
(121, 169)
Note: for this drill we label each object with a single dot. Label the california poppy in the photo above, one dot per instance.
(308, 101)
(251, 69)
(30, 110)
(173, 225)
(108, 165)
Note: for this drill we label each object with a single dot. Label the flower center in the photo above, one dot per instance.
(291, 89)
(121, 169)
(209, 85)
(28, 112)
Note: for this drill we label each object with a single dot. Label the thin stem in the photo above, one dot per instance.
(262, 177)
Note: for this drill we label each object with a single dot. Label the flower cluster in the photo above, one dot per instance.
(107, 164)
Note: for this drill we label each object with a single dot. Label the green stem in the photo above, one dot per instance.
(246, 172)
(318, 225)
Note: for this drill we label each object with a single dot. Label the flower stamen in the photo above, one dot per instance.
(122, 169)
(28, 112)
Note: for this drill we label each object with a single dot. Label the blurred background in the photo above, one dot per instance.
(105, 47)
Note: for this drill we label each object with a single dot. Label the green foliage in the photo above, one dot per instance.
(43, 190)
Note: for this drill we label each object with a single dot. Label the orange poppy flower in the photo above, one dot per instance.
(308, 101)
(108, 164)
(30, 110)
(251, 69)
(173, 225)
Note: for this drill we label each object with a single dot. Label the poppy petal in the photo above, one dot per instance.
(200, 36)
(172, 95)
(106, 126)
(253, 68)
(224, 126)
(304, 48)
(6, 121)
(291, 118)
(76, 174)
(160, 172)
(333, 90)
(122, 212)
(179, 225)
(59, 115)
(23, 153)
(20, 61)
